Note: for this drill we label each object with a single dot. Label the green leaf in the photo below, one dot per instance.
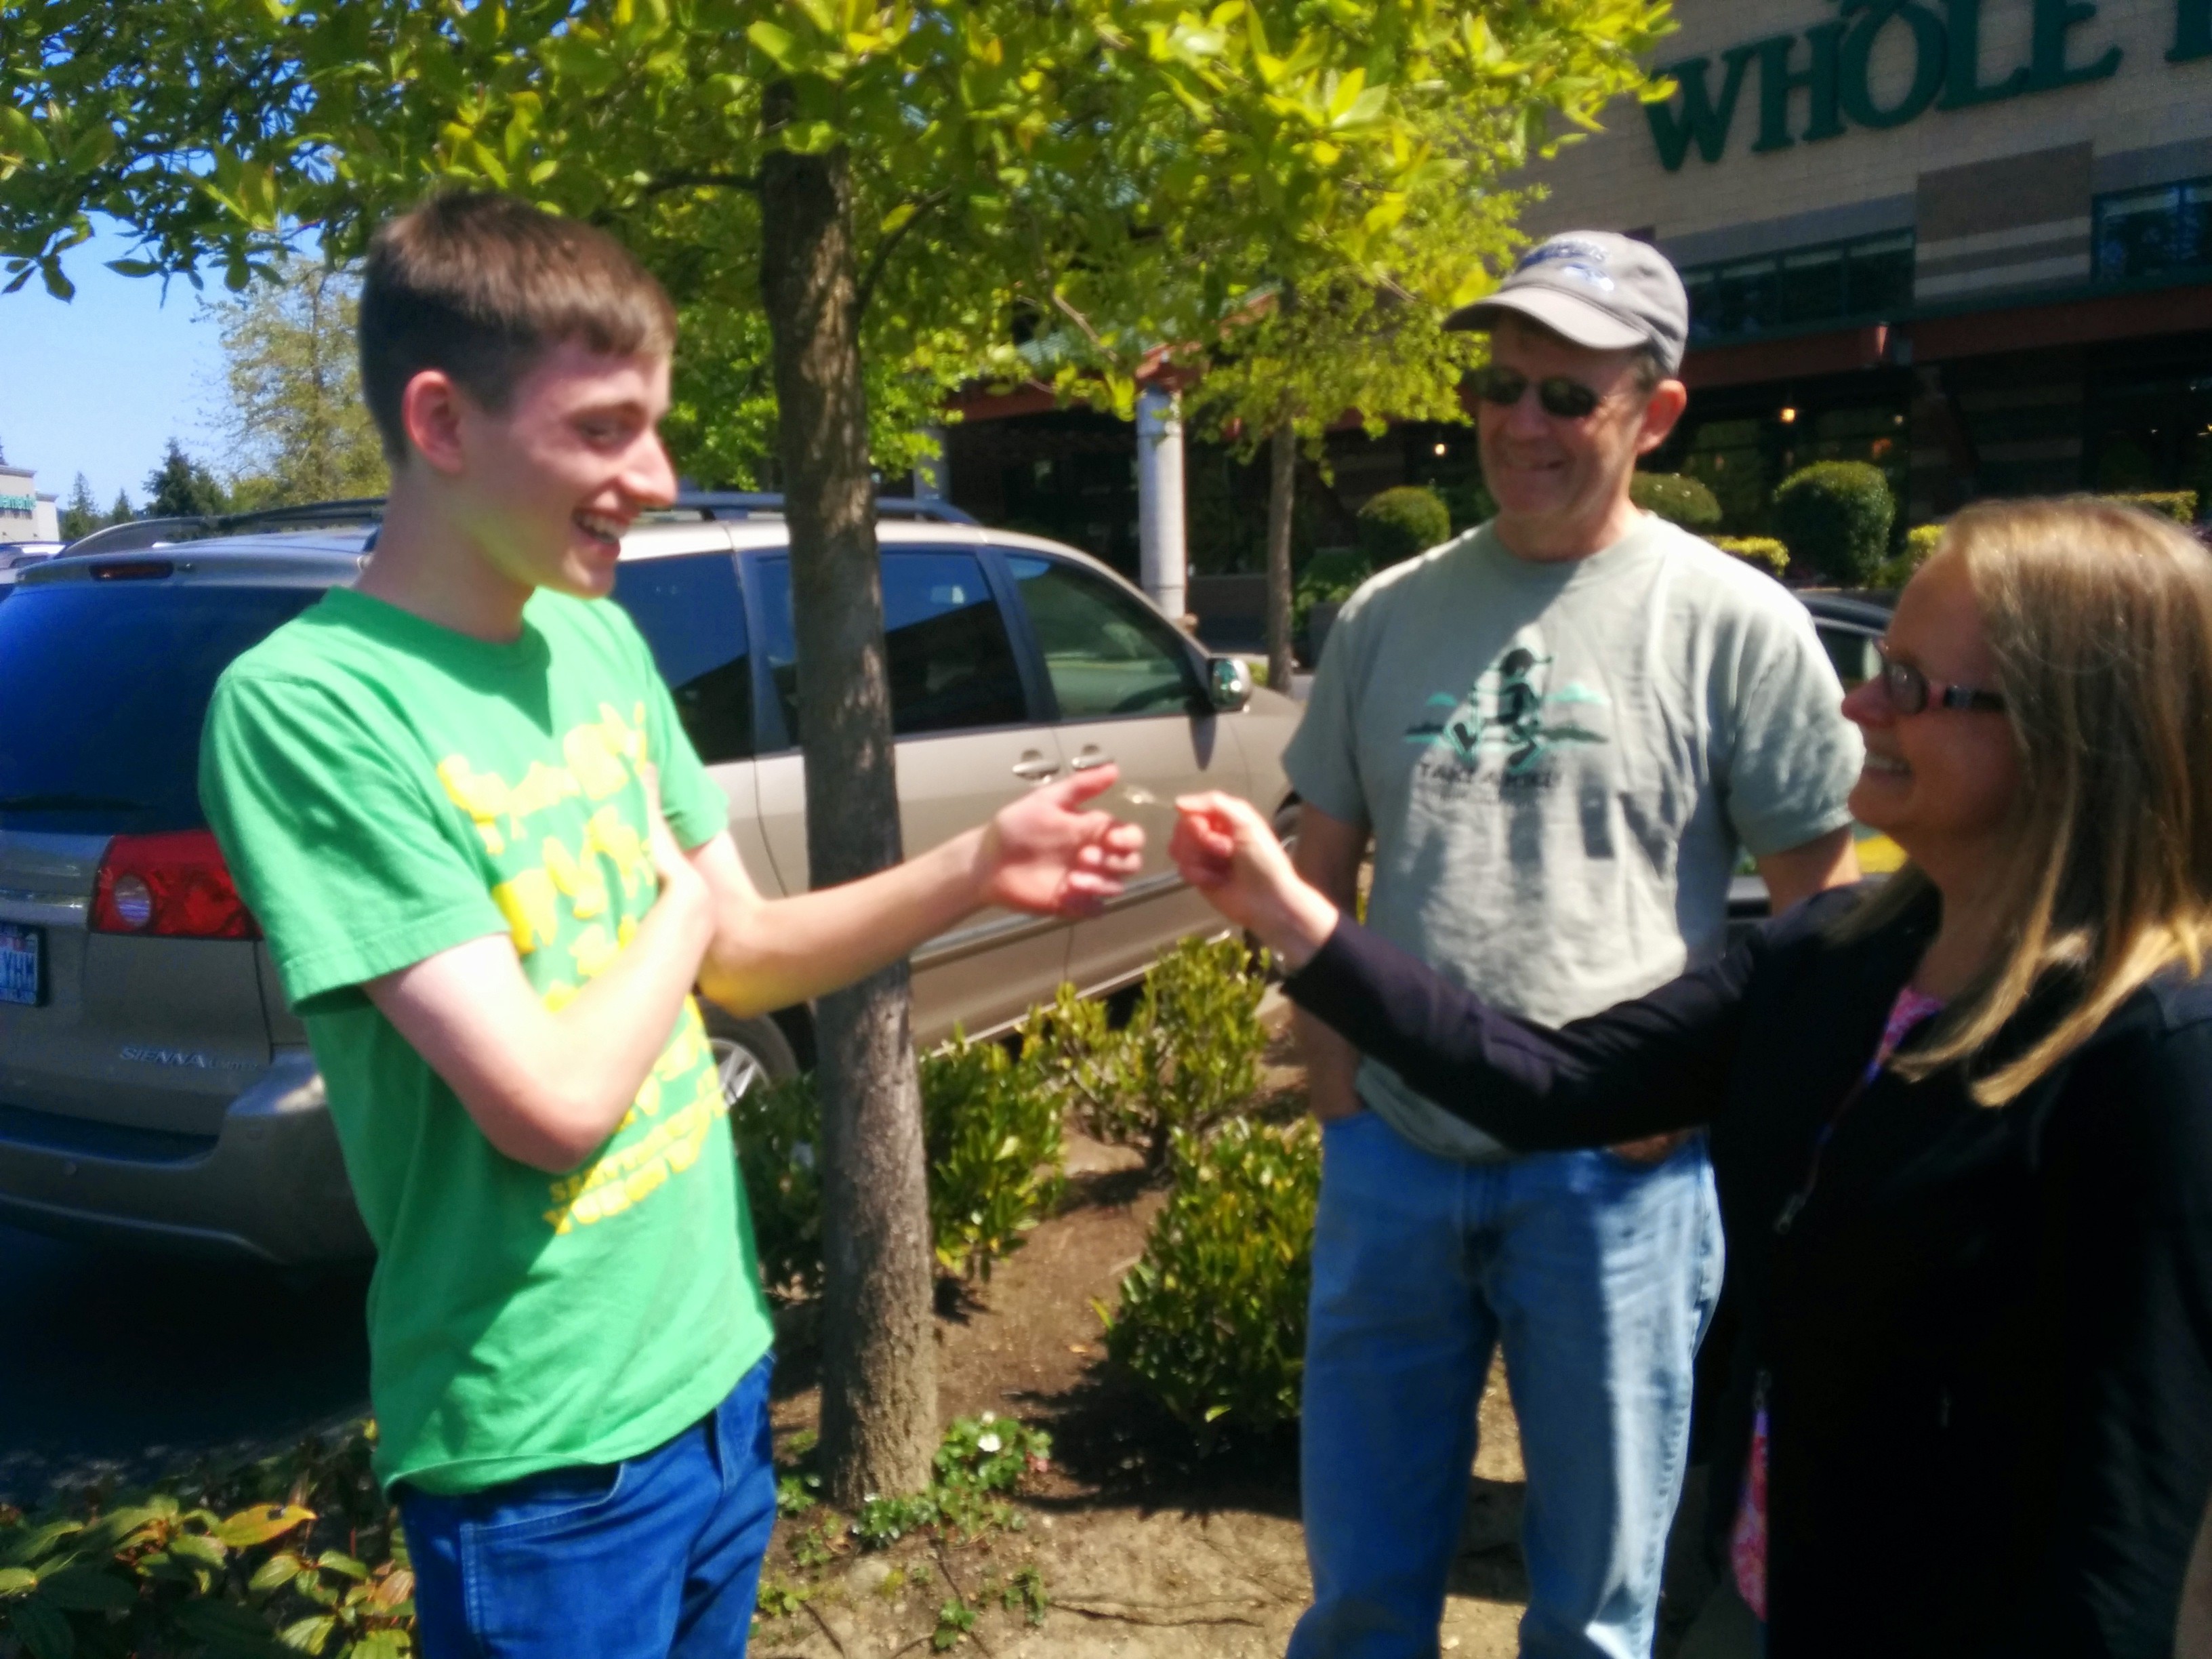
(779, 43)
(81, 1589)
(308, 1635)
(197, 1546)
(261, 1523)
(43, 1632)
(135, 267)
(227, 1629)
(14, 1581)
(334, 1562)
(274, 1572)
(382, 1644)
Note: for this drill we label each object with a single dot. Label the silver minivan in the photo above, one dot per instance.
(154, 1088)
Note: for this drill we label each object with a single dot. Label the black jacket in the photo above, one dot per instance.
(1986, 1334)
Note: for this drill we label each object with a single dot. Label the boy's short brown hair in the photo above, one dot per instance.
(479, 285)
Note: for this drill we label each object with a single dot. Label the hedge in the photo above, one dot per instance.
(1400, 522)
(1764, 552)
(1679, 500)
(1835, 517)
(2178, 504)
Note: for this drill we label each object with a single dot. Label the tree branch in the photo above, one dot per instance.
(877, 261)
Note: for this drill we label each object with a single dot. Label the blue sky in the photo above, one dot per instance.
(99, 385)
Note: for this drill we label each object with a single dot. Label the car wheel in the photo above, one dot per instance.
(749, 1055)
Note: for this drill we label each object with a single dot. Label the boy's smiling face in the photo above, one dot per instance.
(545, 489)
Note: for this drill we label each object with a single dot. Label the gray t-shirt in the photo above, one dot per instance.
(1559, 762)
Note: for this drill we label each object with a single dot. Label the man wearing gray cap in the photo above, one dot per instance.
(1558, 729)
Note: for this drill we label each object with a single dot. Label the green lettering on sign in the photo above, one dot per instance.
(1838, 80)
(1777, 81)
(1700, 121)
(2047, 69)
(1928, 56)
(2192, 31)
(1962, 84)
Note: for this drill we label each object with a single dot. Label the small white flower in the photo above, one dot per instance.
(989, 1418)
(990, 1442)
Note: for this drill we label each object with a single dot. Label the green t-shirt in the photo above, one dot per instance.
(385, 789)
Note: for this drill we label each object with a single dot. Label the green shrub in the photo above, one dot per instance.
(1331, 577)
(1213, 1320)
(1400, 522)
(992, 1131)
(298, 1554)
(777, 1130)
(1764, 552)
(2178, 504)
(1920, 541)
(1834, 517)
(1679, 500)
(1189, 1057)
(1469, 503)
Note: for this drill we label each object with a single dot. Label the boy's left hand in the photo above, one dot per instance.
(1043, 853)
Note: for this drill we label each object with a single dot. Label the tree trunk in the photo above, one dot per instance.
(880, 1355)
(1282, 491)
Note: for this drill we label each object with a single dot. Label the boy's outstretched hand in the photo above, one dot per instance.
(1045, 854)
(1226, 850)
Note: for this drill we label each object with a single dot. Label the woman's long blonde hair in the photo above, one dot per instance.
(2100, 617)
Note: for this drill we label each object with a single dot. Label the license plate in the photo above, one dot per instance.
(21, 964)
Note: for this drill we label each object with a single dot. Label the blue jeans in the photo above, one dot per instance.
(653, 1557)
(1598, 1276)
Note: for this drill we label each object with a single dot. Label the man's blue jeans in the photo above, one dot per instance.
(654, 1557)
(1598, 1275)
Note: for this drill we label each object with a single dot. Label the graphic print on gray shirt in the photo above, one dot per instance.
(1559, 762)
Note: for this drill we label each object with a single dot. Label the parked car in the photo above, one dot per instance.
(1848, 624)
(17, 557)
(154, 1088)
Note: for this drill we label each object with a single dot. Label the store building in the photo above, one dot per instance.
(1969, 240)
(27, 514)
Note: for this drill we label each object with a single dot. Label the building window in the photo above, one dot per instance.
(1869, 278)
(2148, 232)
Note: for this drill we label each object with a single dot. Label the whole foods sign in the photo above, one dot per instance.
(1832, 61)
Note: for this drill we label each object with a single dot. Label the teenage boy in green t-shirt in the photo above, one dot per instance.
(491, 869)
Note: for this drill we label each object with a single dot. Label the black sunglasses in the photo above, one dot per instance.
(1909, 691)
(1568, 400)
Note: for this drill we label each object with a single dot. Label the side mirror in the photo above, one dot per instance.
(1228, 683)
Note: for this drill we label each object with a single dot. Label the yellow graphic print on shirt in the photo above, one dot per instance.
(570, 912)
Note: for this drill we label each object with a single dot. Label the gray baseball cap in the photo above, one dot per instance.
(1599, 289)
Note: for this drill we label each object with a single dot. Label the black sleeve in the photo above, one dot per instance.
(2136, 1346)
(1660, 1062)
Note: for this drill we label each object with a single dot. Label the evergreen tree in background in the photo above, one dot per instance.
(79, 514)
(296, 429)
(122, 512)
(180, 487)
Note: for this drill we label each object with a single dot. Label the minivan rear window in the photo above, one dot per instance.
(103, 690)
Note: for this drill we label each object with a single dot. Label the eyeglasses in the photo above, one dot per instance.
(1909, 692)
(1568, 400)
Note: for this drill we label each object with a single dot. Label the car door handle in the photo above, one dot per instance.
(1035, 767)
(1088, 760)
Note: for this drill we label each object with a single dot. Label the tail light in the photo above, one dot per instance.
(170, 886)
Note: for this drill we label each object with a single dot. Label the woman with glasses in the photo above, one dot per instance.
(1961, 1122)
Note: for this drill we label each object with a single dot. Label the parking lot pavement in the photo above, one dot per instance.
(122, 1366)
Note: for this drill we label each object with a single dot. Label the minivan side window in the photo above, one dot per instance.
(1105, 652)
(1852, 652)
(951, 661)
(691, 614)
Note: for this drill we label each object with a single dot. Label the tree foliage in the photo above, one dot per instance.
(80, 514)
(182, 488)
(891, 185)
(295, 426)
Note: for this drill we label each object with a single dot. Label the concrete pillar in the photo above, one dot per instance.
(1162, 560)
(929, 478)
